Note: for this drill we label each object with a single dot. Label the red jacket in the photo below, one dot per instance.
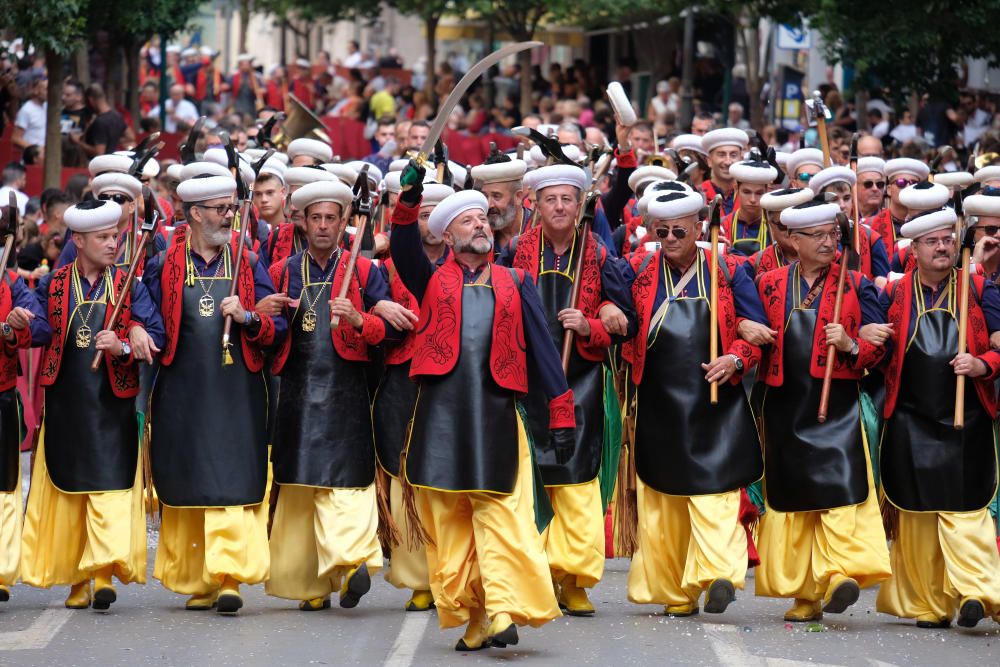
(22, 337)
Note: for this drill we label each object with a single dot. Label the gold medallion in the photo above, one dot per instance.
(309, 321)
(206, 306)
(83, 337)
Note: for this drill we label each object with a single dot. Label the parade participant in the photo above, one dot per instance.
(500, 182)
(802, 165)
(988, 176)
(394, 401)
(781, 251)
(900, 173)
(636, 181)
(871, 186)
(346, 174)
(939, 478)
(746, 227)
(245, 88)
(85, 520)
(289, 238)
(269, 193)
(305, 152)
(955, 181)
(918, 198)
(210, 468)
(548, 253)
(324, 534)
(986, 227)
(691, 458)
(724, 148)
(23, 325)
(839, 182)
(821, 538)
(467, 455)
(634, 242)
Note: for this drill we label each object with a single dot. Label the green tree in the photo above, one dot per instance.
(431, 12)
(55, 27)
(298, 16)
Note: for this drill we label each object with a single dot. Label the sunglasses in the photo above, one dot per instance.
(804, 177)
(990, 230)
(868, 185)
(905, 182)
(116, 198)
(221, 209)
(665, 232)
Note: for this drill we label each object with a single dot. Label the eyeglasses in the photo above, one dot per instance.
(819, 237)
(665, 232)
(946, 241)
(868, 185)
(220, 209)
(904, 182)
(116, 198)
(989, 230)
(804, 176)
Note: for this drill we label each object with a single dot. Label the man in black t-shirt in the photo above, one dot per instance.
(106, 130)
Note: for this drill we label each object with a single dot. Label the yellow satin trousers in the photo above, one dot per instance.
(574, 540)
(407, 567)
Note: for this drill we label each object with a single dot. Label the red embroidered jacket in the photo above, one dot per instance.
(403, 352)
(22, 337)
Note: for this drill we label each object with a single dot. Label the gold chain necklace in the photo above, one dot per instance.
(84, 333)
(310, 317)
(206, 304)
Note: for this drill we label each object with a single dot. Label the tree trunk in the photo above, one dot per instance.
(430, 81)
(524, 60)
(53, 131)
(132, 48)
(81, 64)
(687, 72)
(245, 25)
(751, 43)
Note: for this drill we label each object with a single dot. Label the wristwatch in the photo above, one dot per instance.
(739, 363)
(126, 349)
(6, 330)
(855, 348)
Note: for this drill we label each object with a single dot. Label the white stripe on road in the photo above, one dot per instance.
(38, 634)
(404, 649)
(730, 652)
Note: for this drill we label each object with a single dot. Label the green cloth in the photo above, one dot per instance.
(612, 448)
(872, 424)
(543, 506)
(756, 494)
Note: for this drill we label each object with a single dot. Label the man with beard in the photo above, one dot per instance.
(938, 479)
(468, 455)
(500, 182)
(821, 539)
(691, 458)
(394, 401)
(724, 148)
(210, 468)
(85, 520)
(547, 253)
(324, 534)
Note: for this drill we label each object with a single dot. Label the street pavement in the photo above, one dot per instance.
(148, 626)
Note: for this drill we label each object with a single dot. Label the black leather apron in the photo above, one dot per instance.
(684, 445)
(750, 245)
(464, 434)
(323, 434)
(925, 464)
(10, 442)
(391, 414)
(91, 435)
(586, 379)
(209, 437)
(811, 466)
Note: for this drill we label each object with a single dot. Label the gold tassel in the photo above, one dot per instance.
(890, 517)
(388, 531)
(152, 504)
(416, 534)
(227, 357)
(626, 516)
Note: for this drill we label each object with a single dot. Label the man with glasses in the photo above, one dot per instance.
(839, 182)
(746, 227)
(985, 218)
(802, 165)
(821, 538)
(692, 458)
(324, 535)
(917, 198)
(724, 148)
(900, 173)
(940, 480)
(548, 253)
(210, 466)
(871, 186)
(85, 521)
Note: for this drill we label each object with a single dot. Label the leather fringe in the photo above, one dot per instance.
(152, 503)
(890, 517)
(388, 531)
(749, 517)
(416, 534)
(626, 512)
(272, 505)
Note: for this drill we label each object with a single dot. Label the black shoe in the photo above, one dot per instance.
(229, 603)
(719, 595)
(971, 613)
(505, 638)
(103, 599)
(359, 583)
(462, 647)
(843, 596)
(943, 624)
